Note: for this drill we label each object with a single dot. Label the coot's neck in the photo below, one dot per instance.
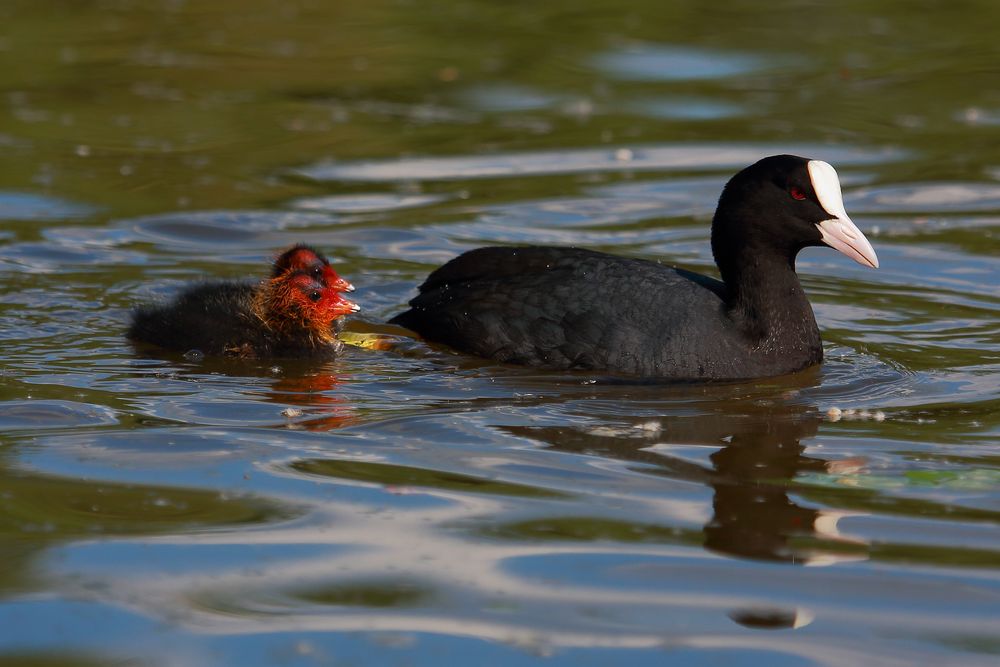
(767, 302)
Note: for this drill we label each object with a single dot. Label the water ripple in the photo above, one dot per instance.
(640, 157)
(659, 62)
(46, 414)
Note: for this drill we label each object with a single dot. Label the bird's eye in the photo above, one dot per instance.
(316, 271)
(796, 193)
(314, 296)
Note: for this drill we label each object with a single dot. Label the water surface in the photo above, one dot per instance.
(420, 506)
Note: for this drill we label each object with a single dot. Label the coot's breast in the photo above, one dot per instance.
(568, 308)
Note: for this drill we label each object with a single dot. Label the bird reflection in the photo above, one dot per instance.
(760, 452)
(314, 397)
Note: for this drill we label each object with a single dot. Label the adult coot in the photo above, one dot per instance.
(569, 308)
(292, 314)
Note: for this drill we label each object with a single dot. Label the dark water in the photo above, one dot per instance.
(419, 507)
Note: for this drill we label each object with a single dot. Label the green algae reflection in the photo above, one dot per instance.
(47, 659)
(38, 511)
(397, 475)
(594, 529)
(366, 594)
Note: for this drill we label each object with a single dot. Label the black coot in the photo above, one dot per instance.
(569, 308)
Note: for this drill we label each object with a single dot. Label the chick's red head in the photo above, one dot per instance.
(314, 305)
(309, 260)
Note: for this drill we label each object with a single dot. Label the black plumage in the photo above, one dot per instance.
(292, 314)
(218, 318)
(570, 308)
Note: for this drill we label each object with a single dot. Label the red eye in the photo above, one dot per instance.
(796, 193)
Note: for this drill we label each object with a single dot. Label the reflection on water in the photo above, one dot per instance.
(648, 62)
(28, 206)
(753, 458)
(641, 157)
(40, 512)
(319, 408)
(404, 504)
(596, 531)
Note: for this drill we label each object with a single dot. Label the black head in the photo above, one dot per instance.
(779, 205)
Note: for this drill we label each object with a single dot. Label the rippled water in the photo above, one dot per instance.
(416, 506)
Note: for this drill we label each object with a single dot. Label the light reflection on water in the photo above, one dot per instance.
(431, 494)
(626, 158)
(407, 504)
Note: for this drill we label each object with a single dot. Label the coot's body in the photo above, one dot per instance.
(568, 308)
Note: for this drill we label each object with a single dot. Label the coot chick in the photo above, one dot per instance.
(569, 308)
(302, 257)
(290, 315)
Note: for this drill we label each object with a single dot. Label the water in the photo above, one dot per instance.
(418, 506)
